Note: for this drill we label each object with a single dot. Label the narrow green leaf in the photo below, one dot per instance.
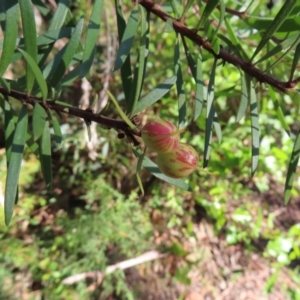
(262, 24)
(36, 72)
(210, 6)
(127, 39)
(10, 34)
(176, 8)
(221, 19)
(217, 127)
(126, 73)
(38, 121)
(120, 111)
(280, 47)
(14, 164)
(197, 74)
(292, 170)
(278, 109)
(151, 167)
(60, 15)
(210, 115)
(43, 9)
(235, 41)
(199, 101)
(56, 129)
(180, 87)
(140, 67)
(29, 32)
(51, 37)
(189, 56)
(138, 169)
(244, 100)
(292, 46)
(295, 61)
(187, 7)
(169, 25)
(91, 38)
(32, 144)
(45, 155)
(9, 126)
(5, 84)
(68, 54)
(157, 93)
(278, 20)
(254, 124)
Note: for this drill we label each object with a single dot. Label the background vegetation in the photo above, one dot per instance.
(230, 237)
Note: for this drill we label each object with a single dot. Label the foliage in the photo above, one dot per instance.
(171, 61)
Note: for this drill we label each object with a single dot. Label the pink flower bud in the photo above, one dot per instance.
(180, 163)
(161, 136)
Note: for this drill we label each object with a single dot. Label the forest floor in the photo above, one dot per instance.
(220, 271)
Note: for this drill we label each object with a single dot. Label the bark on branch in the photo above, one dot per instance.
(247, 67)
(88, 115)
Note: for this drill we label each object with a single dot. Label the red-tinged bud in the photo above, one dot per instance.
(161, 136)
(180, 163)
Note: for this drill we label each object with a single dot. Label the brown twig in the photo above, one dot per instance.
(87, 115)
(247, 67)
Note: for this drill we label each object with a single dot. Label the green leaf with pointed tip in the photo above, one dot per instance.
(38, 120)
(14, 164)
(43, 9)
(51, 37)
(10, 34)
(180, 86)
(199, 100)
(278, 20)
(37, 73)
(210, 6)
(197, 74)
(210, 115)
(278, 109)
(127, 39)
(126, 73)
(139, 168)
(29, 32)
(9, 126)
(60, 15)
(292, 46)
(140, 67)
(189, 56)
(45, 155)
(262, 24)
(244, 100)
(176, 7)
(91, 38)
(32, 144)
(150, 166)
(68, 54)
(222, 16)
(5, 84)
(169, 25)
(187, 7)
(292, 170)
(120, 111)
(280, 47)
(254, 124)
(56, 129)
(157, 93)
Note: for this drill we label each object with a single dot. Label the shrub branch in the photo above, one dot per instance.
(247, 67)
(88, 114)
